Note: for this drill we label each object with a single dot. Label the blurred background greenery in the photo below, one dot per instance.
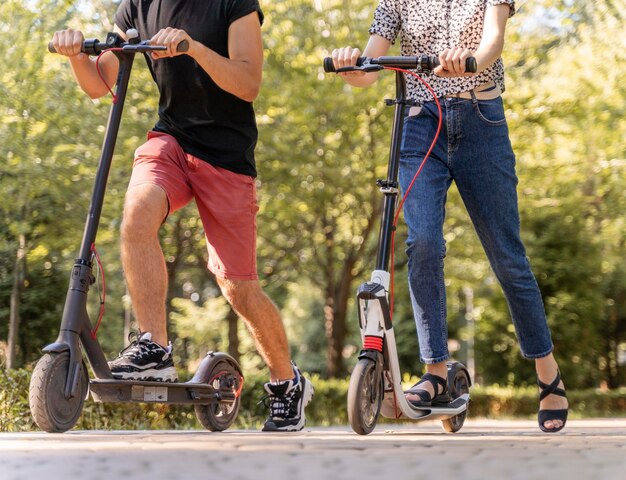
(322, 145)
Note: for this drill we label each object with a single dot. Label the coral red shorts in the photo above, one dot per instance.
(226, 201)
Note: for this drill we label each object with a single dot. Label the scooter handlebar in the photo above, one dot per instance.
(94, 46)
(422, 62)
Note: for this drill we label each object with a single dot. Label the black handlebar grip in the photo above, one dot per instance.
(329, 66)
(51, 48)
(182, 46)
(470, 64)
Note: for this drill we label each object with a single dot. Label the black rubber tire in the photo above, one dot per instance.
(50, 409)
(459, 385)
(365, 396)
(217, 417)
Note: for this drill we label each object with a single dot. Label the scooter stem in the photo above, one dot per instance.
(108, 147)
(390, 187)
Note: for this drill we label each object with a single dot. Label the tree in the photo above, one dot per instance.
(321, 149)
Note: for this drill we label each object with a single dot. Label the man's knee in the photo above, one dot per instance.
(239, 293)
(145, 207)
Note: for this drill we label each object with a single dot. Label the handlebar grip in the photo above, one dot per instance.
(329, 66)
(470, 64)
(182, 46)
(51, 48)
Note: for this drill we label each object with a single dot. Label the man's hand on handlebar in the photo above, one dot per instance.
(346, 57)
(69, 43)
(170, 38)
(452, 62)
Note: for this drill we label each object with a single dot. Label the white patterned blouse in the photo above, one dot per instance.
(429, 27)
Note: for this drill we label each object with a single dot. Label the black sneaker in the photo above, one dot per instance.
(286, 401)
(144, 359)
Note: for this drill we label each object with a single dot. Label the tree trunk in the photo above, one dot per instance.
(16, 298)
(335, 314)
(333, 337)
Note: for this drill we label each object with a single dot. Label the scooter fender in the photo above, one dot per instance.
(76, 362)
(56, 347)
(454, 368)
(211, 358)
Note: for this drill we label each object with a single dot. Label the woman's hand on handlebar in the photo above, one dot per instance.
(69, 43)
(452, 62)
(346, 57)
(170, 38)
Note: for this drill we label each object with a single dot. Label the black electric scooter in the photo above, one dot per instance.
(60, 382)
(375, 384)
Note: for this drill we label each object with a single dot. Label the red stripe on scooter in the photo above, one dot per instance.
(372, 342)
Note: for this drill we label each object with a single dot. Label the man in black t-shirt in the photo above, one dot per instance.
(202, 147)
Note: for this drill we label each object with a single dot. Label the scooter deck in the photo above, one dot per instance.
(157, 392)
(439, 412)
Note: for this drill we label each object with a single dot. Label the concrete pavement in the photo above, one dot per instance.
(483, 449)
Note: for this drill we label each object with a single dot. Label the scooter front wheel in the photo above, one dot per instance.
(365, 395)
(224, 376)
(51, 410)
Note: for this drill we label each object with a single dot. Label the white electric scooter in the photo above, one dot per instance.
(376, 381)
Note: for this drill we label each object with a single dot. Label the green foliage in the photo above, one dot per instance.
(14, 410)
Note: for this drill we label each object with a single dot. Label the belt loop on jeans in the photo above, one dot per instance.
(473, 95)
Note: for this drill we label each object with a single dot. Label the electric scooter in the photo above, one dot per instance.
(60, 382)
(375, 384)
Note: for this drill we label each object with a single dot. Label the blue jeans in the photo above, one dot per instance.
(475, 152)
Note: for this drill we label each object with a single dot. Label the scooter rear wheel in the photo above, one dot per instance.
(224, 376)
(459, 384)
(365, 395)
(50, 409)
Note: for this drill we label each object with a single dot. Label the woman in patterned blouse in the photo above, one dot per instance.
(475, 152)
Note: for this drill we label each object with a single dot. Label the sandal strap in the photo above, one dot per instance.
(435, 381)
(552, 389)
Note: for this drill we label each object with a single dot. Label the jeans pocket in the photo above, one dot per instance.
(490, 112)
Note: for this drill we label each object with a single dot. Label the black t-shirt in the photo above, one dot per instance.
(207, 121)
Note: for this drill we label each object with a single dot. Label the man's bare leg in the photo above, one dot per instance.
(142, 258)
(264, 323)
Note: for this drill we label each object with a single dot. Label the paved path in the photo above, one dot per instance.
(482, 450)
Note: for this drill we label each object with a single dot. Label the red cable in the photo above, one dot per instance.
(100, 71)
(399, 208)
(104, 291)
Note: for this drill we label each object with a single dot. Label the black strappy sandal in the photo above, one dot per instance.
(545, 415)
(426, 400)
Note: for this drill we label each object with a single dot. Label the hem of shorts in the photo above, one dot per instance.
(538, 355)
(431, 361)
(231, 276)
(167, 196)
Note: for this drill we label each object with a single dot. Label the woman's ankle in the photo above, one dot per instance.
(440, 369)
(547, 368)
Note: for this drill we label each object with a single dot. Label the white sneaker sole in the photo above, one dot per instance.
(164, 375)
